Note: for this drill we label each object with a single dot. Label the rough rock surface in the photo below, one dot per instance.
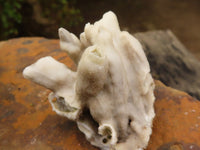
(171, 62)
(177, 122)
(28, 122)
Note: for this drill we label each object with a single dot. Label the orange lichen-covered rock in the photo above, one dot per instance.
(177, 122)
(28, 122)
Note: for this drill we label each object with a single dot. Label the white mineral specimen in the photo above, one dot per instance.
(110, 96)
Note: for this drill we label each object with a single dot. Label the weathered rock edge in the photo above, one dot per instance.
(170, 61)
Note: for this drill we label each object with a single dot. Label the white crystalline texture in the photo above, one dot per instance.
(110, 96)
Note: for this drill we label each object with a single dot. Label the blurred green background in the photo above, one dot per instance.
(21, 18)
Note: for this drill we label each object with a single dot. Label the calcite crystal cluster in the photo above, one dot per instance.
(110, 95)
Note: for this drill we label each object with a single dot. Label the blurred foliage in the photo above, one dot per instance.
(61, 12)
(10, 17)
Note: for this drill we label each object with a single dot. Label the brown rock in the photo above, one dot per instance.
(177, 122)
(171, 62)
(28, 122)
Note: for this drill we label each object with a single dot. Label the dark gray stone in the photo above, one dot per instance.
(171, 62)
